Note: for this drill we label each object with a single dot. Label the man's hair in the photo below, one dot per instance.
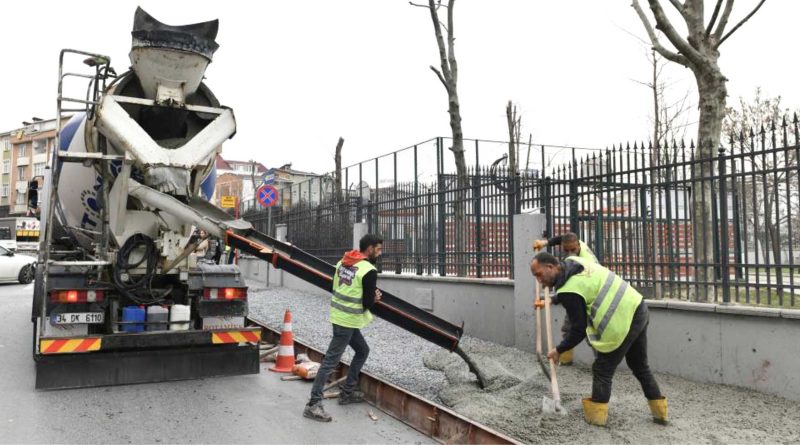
(368, 241)
(569, 237)
(546, 258)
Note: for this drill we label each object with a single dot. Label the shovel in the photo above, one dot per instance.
(538, 304)
(550, 406)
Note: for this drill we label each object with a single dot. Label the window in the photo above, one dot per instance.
(6, 144)
(22, 150)
(20, 173)
(6, 166)
(5, 190)
(38, 169)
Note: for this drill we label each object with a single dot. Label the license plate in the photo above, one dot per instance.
(77, 317)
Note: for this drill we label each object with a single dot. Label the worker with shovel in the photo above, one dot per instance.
(613, 315)
(571, 245)
(354, 293)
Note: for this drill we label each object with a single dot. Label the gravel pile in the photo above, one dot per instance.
(395, 354)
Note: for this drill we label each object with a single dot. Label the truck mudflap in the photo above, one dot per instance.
(122, 359)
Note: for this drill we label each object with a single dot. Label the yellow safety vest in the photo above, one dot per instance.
(586, 253)
(610, 303)
(347, 307)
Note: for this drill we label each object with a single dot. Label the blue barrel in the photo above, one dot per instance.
(135, 314)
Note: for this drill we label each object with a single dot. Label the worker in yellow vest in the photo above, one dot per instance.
(571, 246)
(614, 317)
(354, 292)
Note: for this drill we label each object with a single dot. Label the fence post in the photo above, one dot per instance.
(548, 208)
(723, 200)
(478, 223)
(441, 208)
(395, 234)
(416, 245)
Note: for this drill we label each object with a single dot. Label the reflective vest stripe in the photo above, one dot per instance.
(349, 310)
(340, 296)
(602, 295)
(612, 308)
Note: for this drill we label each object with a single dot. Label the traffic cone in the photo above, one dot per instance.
(285, 360)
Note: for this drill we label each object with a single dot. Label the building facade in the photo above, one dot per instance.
(26, 151)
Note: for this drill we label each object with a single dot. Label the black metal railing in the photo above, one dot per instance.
(641, 209)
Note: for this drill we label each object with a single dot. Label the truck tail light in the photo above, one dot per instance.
(76, 296)
(225, 293)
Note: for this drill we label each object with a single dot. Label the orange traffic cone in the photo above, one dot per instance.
(285, 360)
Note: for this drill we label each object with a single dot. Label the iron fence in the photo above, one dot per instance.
(641, 208)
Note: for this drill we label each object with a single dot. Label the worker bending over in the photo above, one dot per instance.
(614, 317)
(354, 292)
(571, 246)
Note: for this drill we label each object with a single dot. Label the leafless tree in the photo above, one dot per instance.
(448, 75)
(772, 187)
(699, 52)
(514, 122)
(337, 172)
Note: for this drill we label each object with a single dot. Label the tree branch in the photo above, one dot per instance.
(738, 25)
(677, 6)
(451, 56)
(439, 41)
(439, 74)
(713, 18)
(664, 25)
(677, 58)
(723, 20)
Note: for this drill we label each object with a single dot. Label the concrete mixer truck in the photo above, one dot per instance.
(119, 294)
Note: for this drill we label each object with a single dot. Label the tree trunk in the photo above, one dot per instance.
(337, 173)
(511, 120)
(712, 91)
(461, 172)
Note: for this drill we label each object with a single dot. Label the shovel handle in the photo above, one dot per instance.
(549, 331)
(538, 304)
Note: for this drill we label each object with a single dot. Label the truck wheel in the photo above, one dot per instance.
(26, 274)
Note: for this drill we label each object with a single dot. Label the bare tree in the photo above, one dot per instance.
(448, 75)
(773, 182)
(514, 122)
(337, 172)
(699, 52)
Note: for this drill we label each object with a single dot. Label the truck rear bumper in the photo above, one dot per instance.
(106, 368)
(121, 359)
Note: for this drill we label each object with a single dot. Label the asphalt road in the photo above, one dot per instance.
(245, 409)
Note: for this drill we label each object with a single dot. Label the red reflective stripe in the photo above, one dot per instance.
(56, 345)
(226, 338)
(250, 336)
(85, 345)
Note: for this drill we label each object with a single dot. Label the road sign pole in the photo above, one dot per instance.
(236, 216)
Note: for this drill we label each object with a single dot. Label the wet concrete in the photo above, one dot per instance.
(699, 413)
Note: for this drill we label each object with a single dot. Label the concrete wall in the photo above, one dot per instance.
(484, 306)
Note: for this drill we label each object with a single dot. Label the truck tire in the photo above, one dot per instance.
(26, 274)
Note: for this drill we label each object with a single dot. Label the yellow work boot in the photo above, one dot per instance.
(595, 413)
(565, 359)
(659, 409)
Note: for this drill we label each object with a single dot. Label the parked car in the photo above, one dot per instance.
(16, 267)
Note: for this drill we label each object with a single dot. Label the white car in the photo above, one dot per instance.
(16, 267)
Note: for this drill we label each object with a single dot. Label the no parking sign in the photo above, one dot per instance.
(267, 195)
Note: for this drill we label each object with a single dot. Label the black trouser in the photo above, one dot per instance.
(634, 350)
(342, 337)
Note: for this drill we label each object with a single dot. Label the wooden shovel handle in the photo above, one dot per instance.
(549, 328)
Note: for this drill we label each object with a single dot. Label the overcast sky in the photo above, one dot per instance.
(299, 74)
